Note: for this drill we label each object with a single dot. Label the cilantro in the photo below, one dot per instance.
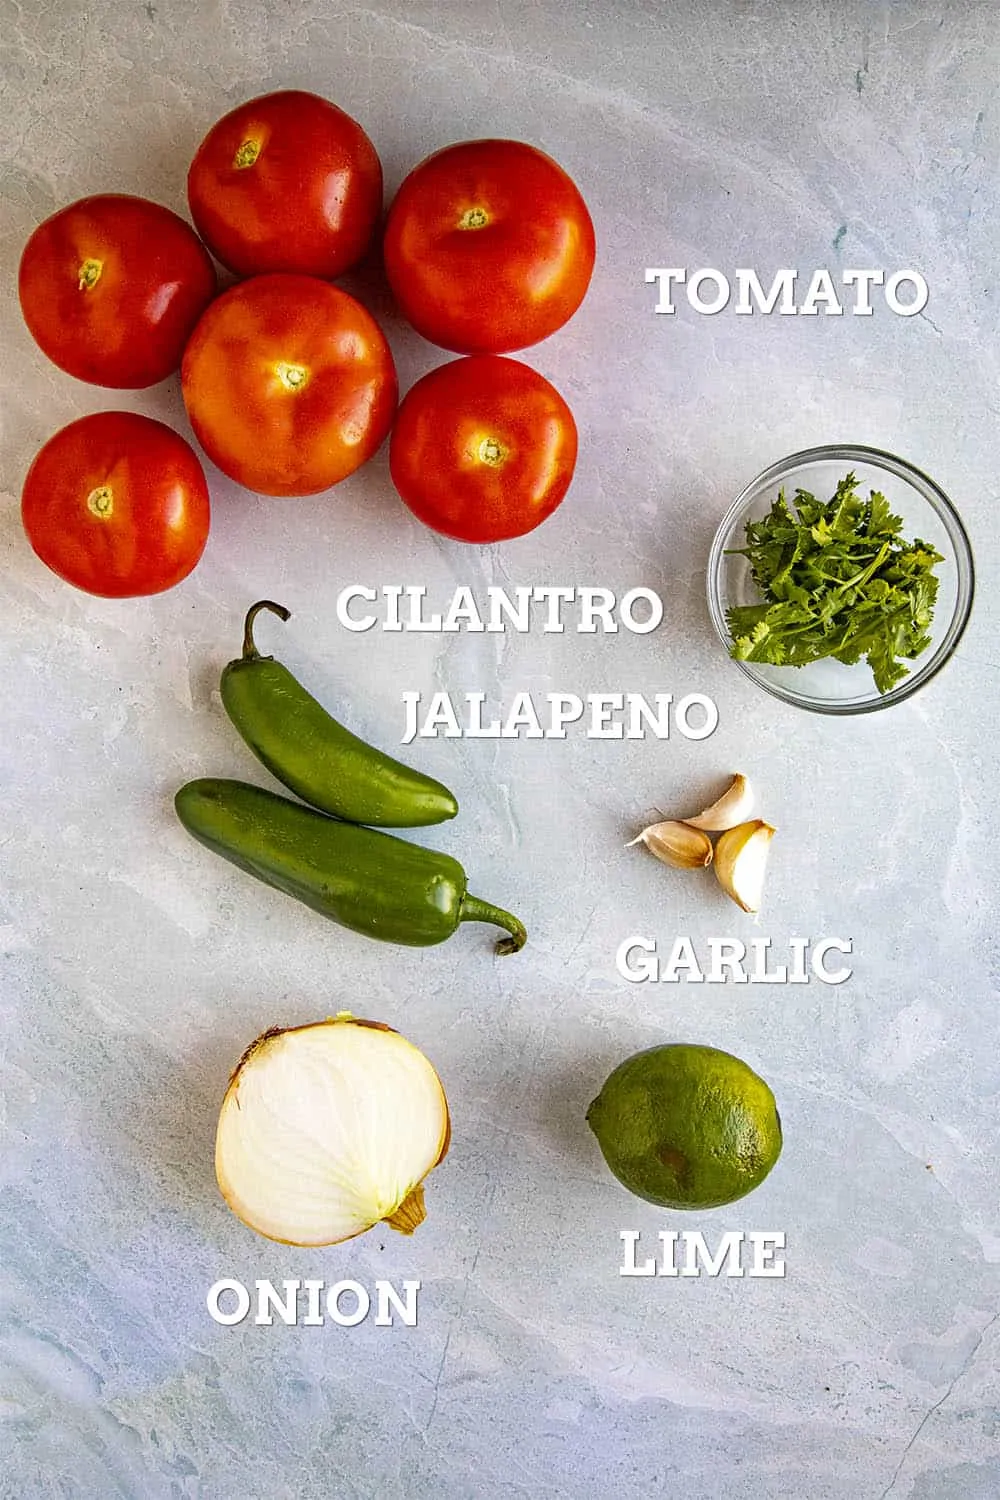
(837, 580)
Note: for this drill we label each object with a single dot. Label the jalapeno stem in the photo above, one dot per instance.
(474, 910)
(250, 652)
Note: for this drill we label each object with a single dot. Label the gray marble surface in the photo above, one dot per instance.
(136, 968)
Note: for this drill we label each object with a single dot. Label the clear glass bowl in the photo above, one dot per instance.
(827, 686)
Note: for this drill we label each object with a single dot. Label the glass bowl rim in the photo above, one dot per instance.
(929, 491)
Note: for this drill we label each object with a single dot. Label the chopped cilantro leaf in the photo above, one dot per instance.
(836, 579)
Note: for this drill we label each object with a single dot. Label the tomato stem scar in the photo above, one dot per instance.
(89, 273)
(490, 452)
(247, 154)
(101, 501)
(292, 377)
(473, 218)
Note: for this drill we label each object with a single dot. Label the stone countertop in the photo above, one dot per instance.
(136, 968)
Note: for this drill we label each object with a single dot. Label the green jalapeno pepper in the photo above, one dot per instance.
(369, 881)
(314, 756)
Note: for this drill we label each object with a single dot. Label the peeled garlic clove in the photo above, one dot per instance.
(733, 807)
(328, 1129)
(676, 844)
(741, 859)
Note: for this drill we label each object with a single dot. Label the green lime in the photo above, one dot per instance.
(686, 1126)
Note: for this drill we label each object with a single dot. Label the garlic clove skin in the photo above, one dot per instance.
(741, 861)
(676, 844)
(728, 811)
(327, 1129)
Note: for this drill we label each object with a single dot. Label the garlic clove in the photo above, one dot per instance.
(741, 860)
(733, 807)
(676, 844)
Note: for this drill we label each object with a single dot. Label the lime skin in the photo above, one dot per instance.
(687, 1126)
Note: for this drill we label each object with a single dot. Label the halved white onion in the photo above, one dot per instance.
(328, 1129)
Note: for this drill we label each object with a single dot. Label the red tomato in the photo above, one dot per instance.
(289, 383)
(488, 247)
(117, 504)
(111, 287)
(286, 182)
(483, 449)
